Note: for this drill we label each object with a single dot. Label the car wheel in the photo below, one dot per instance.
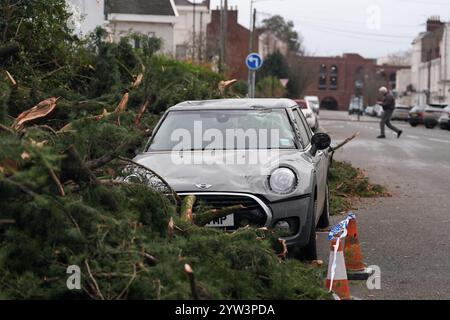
(429, 125)
(324, 221)
(309, 252)
(443, 126)
(413, 124)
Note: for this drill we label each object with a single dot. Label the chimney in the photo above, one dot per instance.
(434, 23)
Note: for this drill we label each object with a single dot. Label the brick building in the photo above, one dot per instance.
(237, 43)
(334, 79)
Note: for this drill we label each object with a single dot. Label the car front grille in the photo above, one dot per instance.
(253, 213)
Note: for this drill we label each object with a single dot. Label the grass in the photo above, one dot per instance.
(348, 184)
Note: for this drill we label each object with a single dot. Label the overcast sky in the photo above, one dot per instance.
(373, 28)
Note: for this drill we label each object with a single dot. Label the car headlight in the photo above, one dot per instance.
(282, 180)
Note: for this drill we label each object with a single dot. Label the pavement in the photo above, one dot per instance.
(406, 235)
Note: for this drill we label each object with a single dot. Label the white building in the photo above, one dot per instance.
(190, 28)
(87, 15)
(181, 24)
(153, 18)
(269, 43)
(429, 76)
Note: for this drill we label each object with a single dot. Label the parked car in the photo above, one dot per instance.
(314, 103)
(378, 110)
(416, 115)
(432, 114)
(288, 190)
(401, 113)
(369, 111)
(355, 107)
(444, 120)
(311, 117)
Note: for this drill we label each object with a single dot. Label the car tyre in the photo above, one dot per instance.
(324, 221)
(429, 125)
(309, 252)
(413, 124)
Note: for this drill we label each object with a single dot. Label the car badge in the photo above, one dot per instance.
(203, 186)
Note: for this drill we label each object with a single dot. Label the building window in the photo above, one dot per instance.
(181, 52)
(323, 70)
(333, 70)
(333, 83)
(322, 82)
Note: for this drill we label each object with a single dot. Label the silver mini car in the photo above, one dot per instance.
(258, 153)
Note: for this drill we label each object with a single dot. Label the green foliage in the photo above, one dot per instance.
(172, 81)
(284, 30)
(347, 182)
(52, 216)
(275, 65)
(270, 87)
(4, 98)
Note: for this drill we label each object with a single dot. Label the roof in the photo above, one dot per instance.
(189, 3)
(223, 104)
(142, 7)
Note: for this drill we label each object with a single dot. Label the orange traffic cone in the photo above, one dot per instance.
(337, 281)
(356, 269)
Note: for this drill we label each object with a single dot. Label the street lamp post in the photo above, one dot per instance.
(250, 40)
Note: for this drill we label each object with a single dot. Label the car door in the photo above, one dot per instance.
(320, 160)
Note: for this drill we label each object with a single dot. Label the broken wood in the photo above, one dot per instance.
(41, 110)
(123, 104)
(191, 276)
(138, 80)
(11, 79)
(340, 145)
(187, 208)
(142, 109)
(223, 85)
(284, 253)
(7, 221)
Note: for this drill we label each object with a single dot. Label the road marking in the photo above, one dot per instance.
(438, 140)
(413, 137)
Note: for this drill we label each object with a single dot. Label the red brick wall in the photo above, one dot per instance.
(236, 43)
(347, 65)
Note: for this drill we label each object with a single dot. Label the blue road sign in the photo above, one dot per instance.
(254, 61)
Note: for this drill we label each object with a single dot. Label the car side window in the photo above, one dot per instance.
(302, 129)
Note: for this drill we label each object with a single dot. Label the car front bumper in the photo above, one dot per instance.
(297, 211)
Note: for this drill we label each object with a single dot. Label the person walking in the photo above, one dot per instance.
(388, 104)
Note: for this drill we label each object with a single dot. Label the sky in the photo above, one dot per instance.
(372, 28)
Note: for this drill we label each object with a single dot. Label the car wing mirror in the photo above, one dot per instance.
(320, 141)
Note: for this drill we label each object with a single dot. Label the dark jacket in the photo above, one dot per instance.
(388, 102)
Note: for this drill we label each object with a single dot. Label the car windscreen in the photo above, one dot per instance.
(224, 130)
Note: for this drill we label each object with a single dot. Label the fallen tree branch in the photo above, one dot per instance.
(187, 208)
(190, 273)
(7, 221)
(340, 145)
(133, 143)
(97, 288)
(74, 168)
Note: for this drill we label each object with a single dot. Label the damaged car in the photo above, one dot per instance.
(257, 153)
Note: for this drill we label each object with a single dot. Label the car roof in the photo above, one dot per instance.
(226, 104)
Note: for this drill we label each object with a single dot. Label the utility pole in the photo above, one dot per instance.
(200, 40)
(429, 78)
(222, 38)
(193, 29)
(225, 31)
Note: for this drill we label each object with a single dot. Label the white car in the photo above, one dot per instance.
(310, 115)
(313, 103)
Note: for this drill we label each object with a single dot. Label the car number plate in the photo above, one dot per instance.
(227, 221)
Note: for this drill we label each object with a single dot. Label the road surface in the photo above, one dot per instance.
(408, 234)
